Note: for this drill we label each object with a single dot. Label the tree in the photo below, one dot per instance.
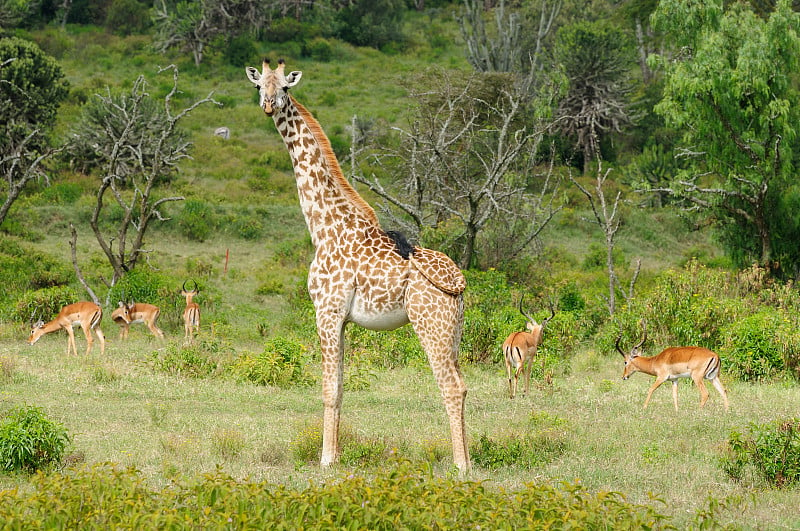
(731, 91)
(597, 59)
(467, 160)
(32, 86)
(193, 25)
(133, 143)
(608, 217)
(501, 49)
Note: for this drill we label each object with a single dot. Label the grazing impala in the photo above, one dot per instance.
(191, 315)
(86, 314)
(138, 312)
(520, 347)
(673, 363)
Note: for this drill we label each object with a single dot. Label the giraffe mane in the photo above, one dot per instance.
(338, 177)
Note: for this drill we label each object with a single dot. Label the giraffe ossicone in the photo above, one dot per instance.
(360, 273)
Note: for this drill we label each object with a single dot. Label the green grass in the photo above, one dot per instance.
(169, 427)
(118, 409)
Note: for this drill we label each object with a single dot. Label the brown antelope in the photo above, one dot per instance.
(191, 315)
(138, 312)
(86, 314)
(520, 347)
(673, 363)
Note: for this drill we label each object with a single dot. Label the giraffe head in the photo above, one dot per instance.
(273, 85)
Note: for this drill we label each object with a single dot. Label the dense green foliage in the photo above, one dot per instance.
(733, 96)
(32, 89)
(767, 452)
(29, 441)
(403, 496)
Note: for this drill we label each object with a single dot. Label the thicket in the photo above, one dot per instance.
(404, 495)
(748, 318)
(768, 453)
(29, 441)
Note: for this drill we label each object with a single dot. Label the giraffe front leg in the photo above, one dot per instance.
(331, 337)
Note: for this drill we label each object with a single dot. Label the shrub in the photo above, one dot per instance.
(318, 49)
(142, 285)
(525, 451)
(196, 220)
(752, 349)
(404, 495)
(197, 360)
(241, 51)
(29, 441)
(283, 363)
(770, 452)
(62, 194)
(228, 443)
(44, 303)
(125, 17)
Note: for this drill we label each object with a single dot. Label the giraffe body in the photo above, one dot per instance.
(360, 273)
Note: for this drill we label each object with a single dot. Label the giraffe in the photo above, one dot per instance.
(361, 274)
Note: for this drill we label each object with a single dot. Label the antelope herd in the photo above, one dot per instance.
(88, 315)
(519, 348)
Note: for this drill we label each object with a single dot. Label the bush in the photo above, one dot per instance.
(241, 51)
(282, 363)
(44, 304)
(125, 17)
(770, 452)
(525, 451)
(318, 49)
(29, 441)
(753, 349)
(196, 220)
(404, 495)
(197, 360)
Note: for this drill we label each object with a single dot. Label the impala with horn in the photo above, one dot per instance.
(520, 348)
(191, 315)
(672, 364)
(136, 312)
(86, 314)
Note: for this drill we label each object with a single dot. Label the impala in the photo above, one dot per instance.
(138, 312)
(191, 315)
(86, 314)
(520, 347)
(672, 364)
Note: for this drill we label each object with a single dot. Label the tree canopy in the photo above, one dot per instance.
(730, 92)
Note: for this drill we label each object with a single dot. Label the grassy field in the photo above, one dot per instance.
(118, 409)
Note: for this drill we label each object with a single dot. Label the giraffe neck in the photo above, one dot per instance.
(330, 205)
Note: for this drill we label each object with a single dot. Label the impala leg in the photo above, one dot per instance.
(675, 394)
(703, 391)
(71, 341)
(656, 385)
(89, 339)
(102, 339)
(508, 375)
(718, 385)
(527, 367)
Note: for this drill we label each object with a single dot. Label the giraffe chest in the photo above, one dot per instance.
(369, 290)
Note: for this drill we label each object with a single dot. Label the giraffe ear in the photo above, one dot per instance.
(253, 74)
(293, 78)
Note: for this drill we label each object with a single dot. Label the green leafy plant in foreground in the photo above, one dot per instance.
(29, 441)
(770, 452)
(404, 495)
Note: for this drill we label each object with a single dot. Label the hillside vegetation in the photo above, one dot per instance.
(241, 404)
